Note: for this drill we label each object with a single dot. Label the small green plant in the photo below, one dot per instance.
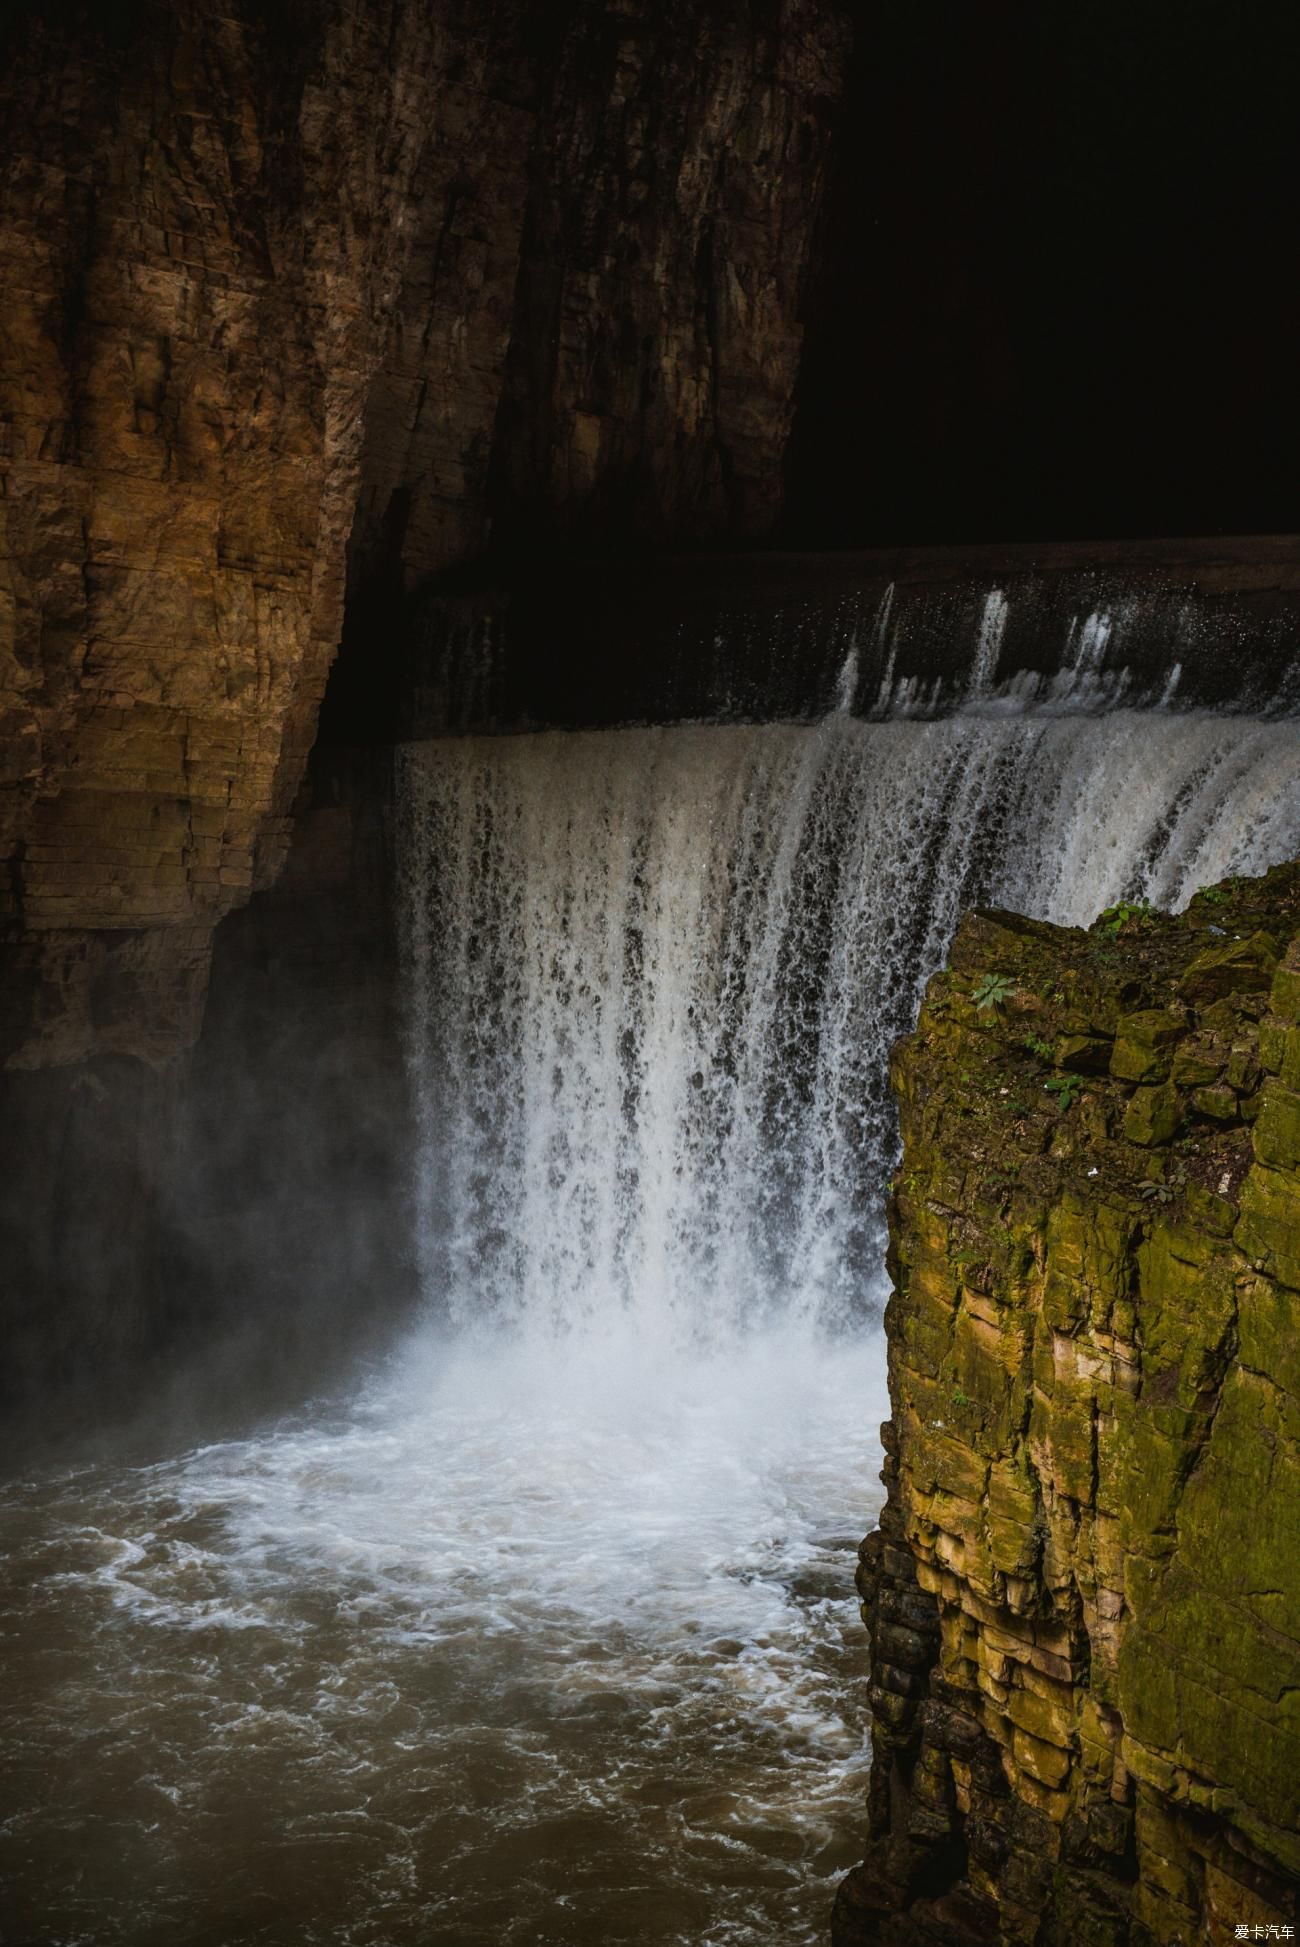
(991, 990)
(1066, 1089)
(960, 1398)
(1037, 1046)
(1126, 912)
(1214, 895)
(1164, 1189)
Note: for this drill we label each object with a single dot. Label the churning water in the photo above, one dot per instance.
(528, 1644)
(545, 1632)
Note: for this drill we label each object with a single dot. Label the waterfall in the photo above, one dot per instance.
(550, 1611)
(653, 977)
(1080, 637)
(993, 627)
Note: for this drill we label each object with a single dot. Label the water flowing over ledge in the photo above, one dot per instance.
(653, 977)
(547, 1622)
(919, 633)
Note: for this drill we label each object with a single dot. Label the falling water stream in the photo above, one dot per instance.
(544, 1630)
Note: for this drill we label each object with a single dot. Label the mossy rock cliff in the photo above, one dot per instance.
(1084, 1593)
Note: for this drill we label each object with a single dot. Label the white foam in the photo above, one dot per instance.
(653, 977)
(596, 1570)
(554, 1613)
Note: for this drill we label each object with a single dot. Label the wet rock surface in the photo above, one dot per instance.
(1082, 1593)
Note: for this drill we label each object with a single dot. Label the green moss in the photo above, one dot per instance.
(1209, 1211)
(1085, 1259)
(1284, 995)
(1241, 1071)
(1268, 1232)
(1086, 1053)
(1197, 1063)
(1144, 1044)
(1277, 1130)
(1153, 1116)
(1279, 1051)
(1096, 1369)
(1236, 966)
(1219, 1103)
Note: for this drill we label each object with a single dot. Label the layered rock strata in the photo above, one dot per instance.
(277, 274)
(600, 329)
(301, 299)
(1084, 1592)
(200, 240)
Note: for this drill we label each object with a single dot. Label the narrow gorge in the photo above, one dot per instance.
(570, 1051)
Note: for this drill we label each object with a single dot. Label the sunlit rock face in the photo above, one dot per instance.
(272, 271)
(1082, 1593)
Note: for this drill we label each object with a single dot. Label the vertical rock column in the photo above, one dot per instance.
(202, 226)
(601, 331)
(201, 231)
(1084, 1594)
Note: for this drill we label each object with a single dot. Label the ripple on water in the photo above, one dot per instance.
(522, 1642)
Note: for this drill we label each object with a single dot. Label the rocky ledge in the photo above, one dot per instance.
(1084, 1592)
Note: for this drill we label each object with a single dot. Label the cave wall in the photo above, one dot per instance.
(600, 330)
(192, 1240)
(287, 1234)
(1082, 1595)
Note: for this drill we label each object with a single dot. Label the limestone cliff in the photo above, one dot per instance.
(201, 233)
(1083, 1595)
(278, 276)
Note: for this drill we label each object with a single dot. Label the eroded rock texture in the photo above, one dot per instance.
(601, 328)
(202, 229)
(302, 301)
(271, 273)
(1083, 1596)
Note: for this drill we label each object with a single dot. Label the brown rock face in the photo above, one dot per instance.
(601, 325)
(1084, 1593)
(271, 269)
(201, 232)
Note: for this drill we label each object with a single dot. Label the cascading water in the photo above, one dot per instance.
(545, 1633)
(654, 976)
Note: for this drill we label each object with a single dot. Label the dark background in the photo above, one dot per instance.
(1057, 278)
